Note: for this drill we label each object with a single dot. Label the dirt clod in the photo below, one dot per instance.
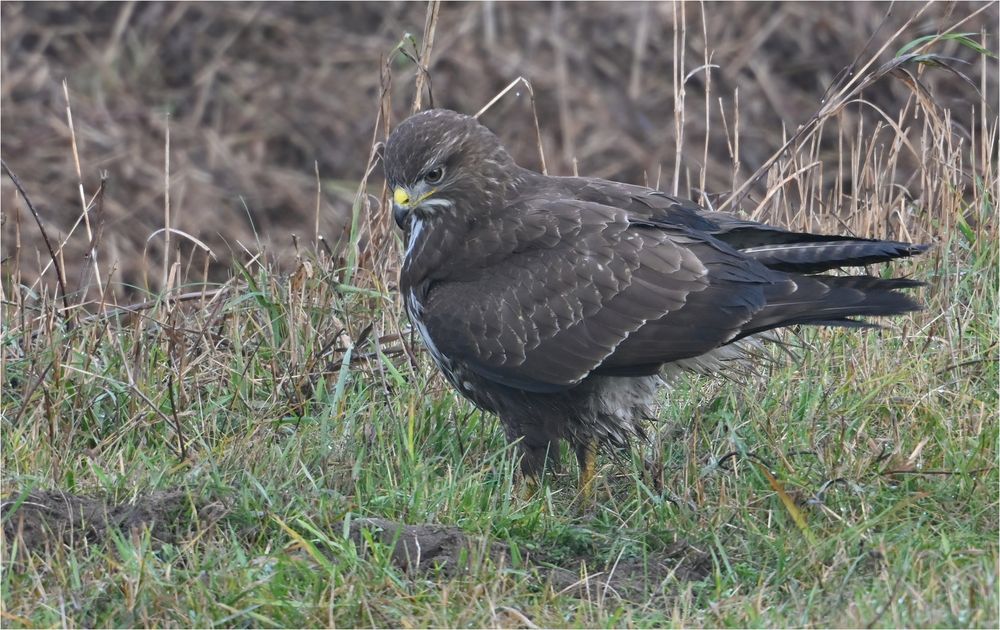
(634, 579)
(47, 517)
(421, 548)
(424, 548)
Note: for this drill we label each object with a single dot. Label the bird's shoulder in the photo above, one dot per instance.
(636, 202)
(675, 218)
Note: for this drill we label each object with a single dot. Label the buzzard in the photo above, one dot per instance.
(556, 303)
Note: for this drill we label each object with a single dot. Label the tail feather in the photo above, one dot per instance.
(803, 252)
(815, 257)
(833, 301)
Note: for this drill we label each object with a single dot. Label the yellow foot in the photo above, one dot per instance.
(530, 487)
(586, 455)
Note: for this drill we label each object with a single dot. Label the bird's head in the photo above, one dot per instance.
(439, 161)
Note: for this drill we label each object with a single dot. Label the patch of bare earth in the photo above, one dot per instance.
(450, 551)
(45, 518)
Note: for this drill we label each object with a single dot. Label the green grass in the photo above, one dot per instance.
(886, 441)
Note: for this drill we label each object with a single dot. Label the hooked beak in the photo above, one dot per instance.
(401, 206)
(404, 201)
(400, 214)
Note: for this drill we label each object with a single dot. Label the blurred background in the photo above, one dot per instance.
(260, 97)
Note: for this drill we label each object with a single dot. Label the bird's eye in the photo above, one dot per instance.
(435, 175)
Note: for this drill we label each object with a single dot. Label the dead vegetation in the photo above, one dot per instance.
(259, 98)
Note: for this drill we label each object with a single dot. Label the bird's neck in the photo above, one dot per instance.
(443, 247)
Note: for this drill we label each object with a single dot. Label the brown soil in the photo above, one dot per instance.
(425, 548)
(47, 517)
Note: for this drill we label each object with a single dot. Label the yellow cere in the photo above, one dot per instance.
(402, 198)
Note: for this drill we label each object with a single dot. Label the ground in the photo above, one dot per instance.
(266, 443)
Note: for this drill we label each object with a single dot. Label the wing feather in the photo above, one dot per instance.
(609, 293)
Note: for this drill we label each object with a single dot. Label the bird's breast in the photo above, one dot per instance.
(458, 375)
(413, 302)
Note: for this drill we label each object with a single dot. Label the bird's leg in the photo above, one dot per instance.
(655, 471)
(531, 487)
(586, 455)
(532, 467)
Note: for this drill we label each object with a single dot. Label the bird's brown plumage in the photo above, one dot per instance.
(555, 302)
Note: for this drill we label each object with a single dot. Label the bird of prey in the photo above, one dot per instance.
(556, 303)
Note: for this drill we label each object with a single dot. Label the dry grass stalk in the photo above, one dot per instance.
(241, 140)
(423, 73)
(84, 207)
